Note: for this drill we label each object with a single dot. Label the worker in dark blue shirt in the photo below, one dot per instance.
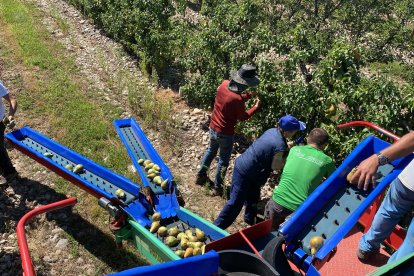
(253, 168)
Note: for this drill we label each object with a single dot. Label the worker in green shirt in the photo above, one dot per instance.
(306, 166)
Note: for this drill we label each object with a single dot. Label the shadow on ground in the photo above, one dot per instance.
(97, 242)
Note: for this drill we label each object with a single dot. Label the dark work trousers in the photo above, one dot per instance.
(276, 212)
(244, 191)
(6, 167)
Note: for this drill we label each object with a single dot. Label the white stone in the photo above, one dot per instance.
(62, 243)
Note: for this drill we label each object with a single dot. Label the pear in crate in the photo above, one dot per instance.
(195, 244)
(188, 252)
(184, 243)
(141, 161)
(197, 251)
(181, 235)
(173, 231)
(193, 239)
(162, 231)
(171, 241)
(180, 253)
(154, 226)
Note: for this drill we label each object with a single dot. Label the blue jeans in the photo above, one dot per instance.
(407, 247)
(395, 205)
(225, 144)
(244, 191)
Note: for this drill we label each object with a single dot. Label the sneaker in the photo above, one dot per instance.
(8, 178)
(203, 180)
(364, 256)
(11, 176)
(250, 221)
(216, 191)
(3, 180)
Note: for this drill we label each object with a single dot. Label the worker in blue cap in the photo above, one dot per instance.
(253, 168)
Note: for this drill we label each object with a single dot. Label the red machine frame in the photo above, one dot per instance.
(27, 264)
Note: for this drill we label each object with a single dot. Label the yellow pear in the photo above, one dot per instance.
(120, 193)
(171, 241)
(351, 174)
(173, 231)
(162, 231)
(180, 253)
(154, 226)
(180, 235)
(200, 234)
(188, 252)
(197, 251)
(156, 216)
(164, 184)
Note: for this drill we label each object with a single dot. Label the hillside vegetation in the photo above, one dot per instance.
(327, 62)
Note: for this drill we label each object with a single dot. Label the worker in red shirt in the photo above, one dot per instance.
(229, 108)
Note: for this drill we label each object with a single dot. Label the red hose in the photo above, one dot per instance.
(250, 244)
(370, 125)
(27, 265)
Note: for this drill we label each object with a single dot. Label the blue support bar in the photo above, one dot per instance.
(201, 265)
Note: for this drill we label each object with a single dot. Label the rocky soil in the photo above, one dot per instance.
(50, 236)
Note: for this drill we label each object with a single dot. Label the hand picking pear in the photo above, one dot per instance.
(351, 174)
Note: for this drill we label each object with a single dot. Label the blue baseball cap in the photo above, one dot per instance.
(289, 122)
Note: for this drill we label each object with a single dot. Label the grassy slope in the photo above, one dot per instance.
(54, 94)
